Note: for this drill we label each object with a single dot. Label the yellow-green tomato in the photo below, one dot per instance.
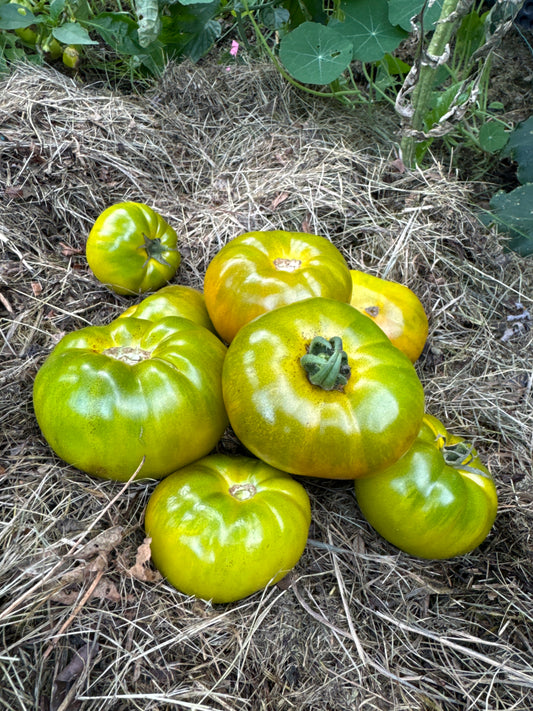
(260, 271)
(225, 527)
(437, 501)
(172, 300)
(317, 389)
(132, 249)
(108, 397)
(395, 308)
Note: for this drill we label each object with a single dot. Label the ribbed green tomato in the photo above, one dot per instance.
(172, 300)
(132, 249)
(260, 271)
(437, 501)
(107, 396)
(225, 527)
(317, 389)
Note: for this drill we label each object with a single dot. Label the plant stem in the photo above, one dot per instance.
(426, 78)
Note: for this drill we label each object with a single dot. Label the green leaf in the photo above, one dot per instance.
(315, 54)
(56, 8)
(513, 214)
(520, 149)
(13, 17)
(492, 136)
(72, 33)
(274, 17)
(401, 12)
(190, 30)
(366, 25)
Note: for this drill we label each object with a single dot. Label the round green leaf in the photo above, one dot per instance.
(315, 54)
(492, 136)
(367, 26)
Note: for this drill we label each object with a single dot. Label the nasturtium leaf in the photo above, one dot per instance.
(401, 12)
(520, 149)
(315, 54)
(513, 214)
(492, 136)
(366, 25)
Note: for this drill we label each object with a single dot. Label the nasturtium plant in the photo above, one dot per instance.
(366, 24)
(401, 12)
(520, 149)
(315, 53)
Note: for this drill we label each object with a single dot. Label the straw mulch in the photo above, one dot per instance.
(85, 621)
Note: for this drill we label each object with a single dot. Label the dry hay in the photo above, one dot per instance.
(362, 626)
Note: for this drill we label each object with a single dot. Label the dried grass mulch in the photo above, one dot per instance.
(85, 621)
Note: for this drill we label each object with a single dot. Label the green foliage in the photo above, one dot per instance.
(366, 24)
(146, 36)
(512, 212)
(402, 11)
(315, 54)
(520, 149)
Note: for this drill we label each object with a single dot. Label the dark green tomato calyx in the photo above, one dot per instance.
(243, 492)
(459, 456)
(155, 249)
(326, 364)
(127, 354)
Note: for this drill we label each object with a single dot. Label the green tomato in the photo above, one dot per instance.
(172, 300)
(260, 271)
(109, 396)
(28, 35)
(71, 57)
(132, 249)
(225, 527)
(437, 501)
(316, 388)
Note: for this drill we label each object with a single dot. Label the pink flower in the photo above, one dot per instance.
(234, 48)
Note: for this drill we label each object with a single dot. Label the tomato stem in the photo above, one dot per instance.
(326, 364)
(460, 456)
(155, 249)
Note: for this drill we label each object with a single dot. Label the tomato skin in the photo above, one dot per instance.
(162, 401)
(260, 271)
(395, 308)
(132, 249)
(172, 300)
(426, 507)
(300, 428)
(212, 544)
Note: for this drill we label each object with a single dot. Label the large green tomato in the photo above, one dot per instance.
(224, 527)
(260, 271)
(107, 396)
(317, 389)
(172, 300)
(132, 249)
(437, 501)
